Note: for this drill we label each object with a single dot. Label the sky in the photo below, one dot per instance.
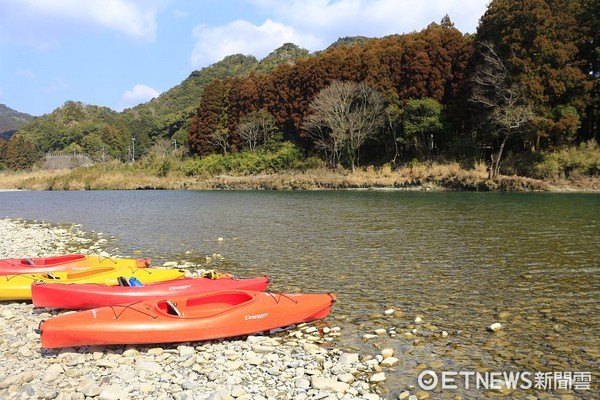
(120, 53)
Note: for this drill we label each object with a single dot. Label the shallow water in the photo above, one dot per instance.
(460, 261)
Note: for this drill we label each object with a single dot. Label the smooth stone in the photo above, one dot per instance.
(186, 350)
(348, 359)
(113, 392)
(91, 389)
(418, 320)
(146, 388)
(404, 395)
(389, 362)
(495, 327)
(149, 366)
(170, 264)
(18, 379)
(155, 351)
(422, 395)
(237, 391)
(322, 383)
(378, 377)
(52, 373)
(302, 383)
(369, 336)
(385, 353)
(380, 332)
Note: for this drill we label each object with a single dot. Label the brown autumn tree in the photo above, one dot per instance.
(426, 64)
(209, 129)
(537, 40)
(21, 153)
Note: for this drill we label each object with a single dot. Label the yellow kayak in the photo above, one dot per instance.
(18, 287)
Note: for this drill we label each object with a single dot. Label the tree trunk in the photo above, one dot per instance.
(495, 169)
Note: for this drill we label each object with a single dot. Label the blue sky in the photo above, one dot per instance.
(119, 53)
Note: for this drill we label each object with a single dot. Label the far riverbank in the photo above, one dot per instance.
(119, 176)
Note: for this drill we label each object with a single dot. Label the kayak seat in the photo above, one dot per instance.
(133, 281)
(123, 281)
(172, 309)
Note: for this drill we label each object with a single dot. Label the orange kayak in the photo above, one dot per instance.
(91, 295)
(69, 262)
(209, 316)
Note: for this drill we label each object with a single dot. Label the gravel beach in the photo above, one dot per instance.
(298, 363)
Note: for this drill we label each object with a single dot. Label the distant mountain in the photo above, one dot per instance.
(169, 114)
(100, 130)
(11, 120)
(348, 41)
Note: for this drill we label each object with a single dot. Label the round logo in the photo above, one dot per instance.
(428, 379)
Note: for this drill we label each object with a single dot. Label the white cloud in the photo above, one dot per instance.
(315, 24)
(139, 94)
(43, 21)
(214, 43)
(373, 17)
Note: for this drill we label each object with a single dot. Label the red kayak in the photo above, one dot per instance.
(90, 295)
(204, 317)
(69, 262)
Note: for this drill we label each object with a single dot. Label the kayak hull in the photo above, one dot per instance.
(209, 316)
(77, 296)
(18, 287)
(69, 262)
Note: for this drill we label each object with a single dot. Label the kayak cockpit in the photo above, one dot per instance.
(205, 306)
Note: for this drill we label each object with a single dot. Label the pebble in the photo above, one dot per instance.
(495, 327)
(389, 362)
(378, 377)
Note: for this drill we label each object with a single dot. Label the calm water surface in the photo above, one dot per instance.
(460, 261)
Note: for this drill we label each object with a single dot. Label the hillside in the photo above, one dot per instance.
(11, 120)
(100, 131)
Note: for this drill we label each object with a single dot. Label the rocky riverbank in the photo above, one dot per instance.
(298, 363)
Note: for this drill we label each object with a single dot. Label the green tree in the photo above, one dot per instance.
(421, 122)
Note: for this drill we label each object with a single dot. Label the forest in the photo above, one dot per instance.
(521, 95)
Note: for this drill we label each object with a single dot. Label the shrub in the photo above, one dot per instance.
(286, 156)
(570, 162)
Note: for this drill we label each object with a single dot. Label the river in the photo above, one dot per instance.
(459, 261)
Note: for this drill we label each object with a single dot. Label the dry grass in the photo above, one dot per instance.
(421, 177)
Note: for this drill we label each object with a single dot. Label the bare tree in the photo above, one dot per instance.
(220, 137)
(493, 89)
(256, 128)
(344, 115)
(161, 147)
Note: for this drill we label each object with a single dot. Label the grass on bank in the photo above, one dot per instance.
(284, 168)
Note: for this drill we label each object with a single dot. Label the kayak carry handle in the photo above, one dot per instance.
(39, 330)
